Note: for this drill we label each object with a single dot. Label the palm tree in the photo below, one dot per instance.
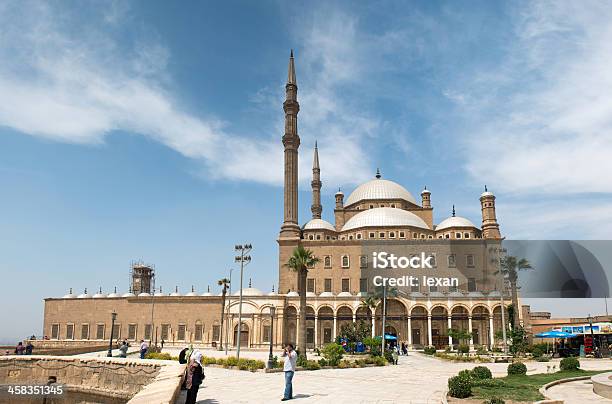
(222, 282)
(509, 268)
(300, 261)
(370, 303)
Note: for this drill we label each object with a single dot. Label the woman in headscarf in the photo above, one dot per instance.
(195, 376)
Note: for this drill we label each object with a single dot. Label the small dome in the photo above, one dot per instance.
(379, 189)
(84, 295)
(344, 294)
(143, 294)
(159, 293)
(99, 295)
(209, 294)
(192, 293)
(454, 221)
(293, 293)
(326, 294)
(486, 193)
(70, 295)
(176, 292)
(114, 293)
(425, 191)
(248, 292)
(310, 294)
(319, 224)
(384, 217)
(273, 293)
(455, 294)
(128, 294)
(339, 192)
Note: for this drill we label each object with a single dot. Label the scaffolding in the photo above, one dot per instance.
(142, 277)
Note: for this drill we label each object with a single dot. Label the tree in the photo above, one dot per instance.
(370, 303)
(510, 267)
(354, 332)
(222, 282)
(459, 335)
(300, 261)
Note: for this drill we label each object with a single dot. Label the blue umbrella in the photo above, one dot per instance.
(388, 337)
(555, 334)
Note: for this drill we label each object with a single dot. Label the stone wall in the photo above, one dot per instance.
(120, 378)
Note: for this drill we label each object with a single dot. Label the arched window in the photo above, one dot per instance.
(345, 261)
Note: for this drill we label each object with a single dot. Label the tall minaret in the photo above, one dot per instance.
(490, 227)
(316, 207)
(291, 141)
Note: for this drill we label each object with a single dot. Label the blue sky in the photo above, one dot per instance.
(144, 130)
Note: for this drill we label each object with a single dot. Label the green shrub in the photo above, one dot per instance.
(482, 350)
(490, 383)
(447, 349)
(206, 360)
(389, 356)
(481, 372)
(231, 361)
(537, 352)
(495, 400)
(165, 356)
(517, 368)
(360, 362)
(333, 353)
(429, 350)
(460, 386)
(542, 359)
(380, 361)
(313, 365)
(569, 364)
(463, 348)
(301, 361)
(322, 362)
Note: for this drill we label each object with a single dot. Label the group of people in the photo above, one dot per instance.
(194, 373)
(21, 349)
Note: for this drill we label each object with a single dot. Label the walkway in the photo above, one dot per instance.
(418, 379)
(578, 392)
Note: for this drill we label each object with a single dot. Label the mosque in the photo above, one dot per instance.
(378, 214)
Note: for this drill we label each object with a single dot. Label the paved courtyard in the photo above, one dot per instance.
(417, 379)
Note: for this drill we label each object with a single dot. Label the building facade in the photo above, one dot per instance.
(377, 214)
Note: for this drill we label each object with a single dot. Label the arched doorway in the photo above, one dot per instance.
(418, 319)
(480, 326)
(396, 317)
(310, 327)
(244, 335)
(460, 322)
(326, 325)
(439, 327)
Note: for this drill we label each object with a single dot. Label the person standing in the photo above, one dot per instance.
(289, 368)
(19, 349)
(195, 376)
(144, 347)
(29, 348)
(123, 349)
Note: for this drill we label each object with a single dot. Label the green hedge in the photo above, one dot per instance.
(481, 372)
(569, 364)
(460, 386)
(429, 350)
(517, 368)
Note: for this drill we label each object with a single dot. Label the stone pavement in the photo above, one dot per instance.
(418, 379)
(578, 392)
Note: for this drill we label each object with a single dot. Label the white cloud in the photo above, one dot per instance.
(545, 116)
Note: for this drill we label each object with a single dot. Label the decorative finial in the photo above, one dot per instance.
(315, 144)
(249, 282)
(378, 173)
(116, 289)
(291, 53)
(272, 288)
(453, 210)
(176, 289)
(130, 289)
(192, 289)
(85, 290)
(425, 187)
(70, 290)
(160, 289)
(100, 292)
(208, 289)
(486, 188)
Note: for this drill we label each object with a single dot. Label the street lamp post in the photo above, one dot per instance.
(270, 357)
(243, 259)
(227, 321)
(384, 309)
(110, 343)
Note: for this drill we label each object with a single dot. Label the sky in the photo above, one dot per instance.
(145, 131)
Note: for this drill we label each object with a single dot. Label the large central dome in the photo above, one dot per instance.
(379, 189)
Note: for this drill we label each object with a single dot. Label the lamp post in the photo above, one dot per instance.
(110, 343)
(227, 321)
(243, 259)
(384, 309)
(270, 357)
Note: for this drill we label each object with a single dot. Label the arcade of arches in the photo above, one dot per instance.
(416, 324)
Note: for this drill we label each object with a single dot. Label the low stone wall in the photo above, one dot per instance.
(602, 384)
(110, 377)
(66, 347)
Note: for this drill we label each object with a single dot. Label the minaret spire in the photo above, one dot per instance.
(291, 141)
(316, 207)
